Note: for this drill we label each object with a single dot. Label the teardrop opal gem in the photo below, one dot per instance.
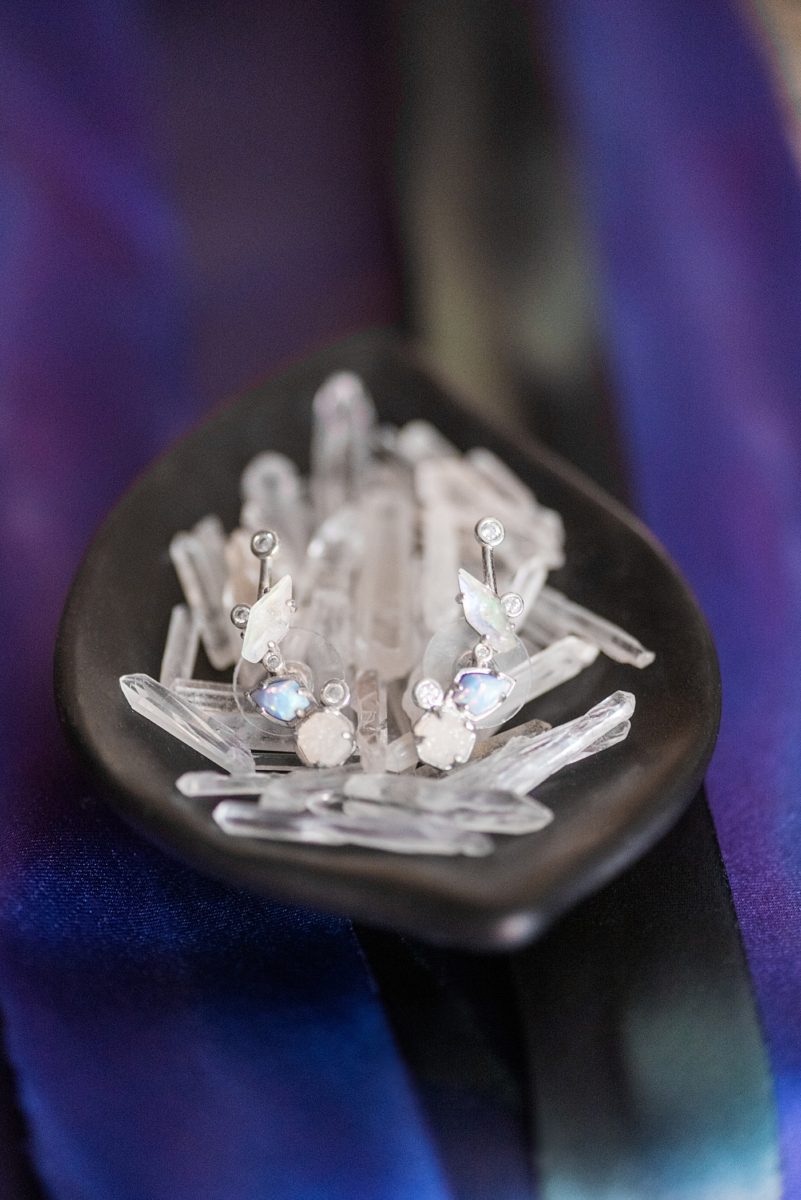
(284, 699)
(481, 691)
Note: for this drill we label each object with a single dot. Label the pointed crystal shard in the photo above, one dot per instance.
(269, 620)
(418, 440)
(528, 730)
(545, 670)
(180, 648)
(370, 695)
(272, 492)
(523, 763)
(401, 753)
(404, 833)
(417, 792)
(529, 579)
(199, 561)
(209, 783)
(485, 613)
(561, 616)
(342, 419)
(385, 635)
(177, 717)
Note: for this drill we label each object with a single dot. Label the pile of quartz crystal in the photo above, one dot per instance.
(365, 680)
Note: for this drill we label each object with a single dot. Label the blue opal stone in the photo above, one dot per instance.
(283, 699)
(480, 692)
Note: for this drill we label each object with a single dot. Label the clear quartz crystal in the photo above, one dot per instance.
(523, 763)
(209, 696)
(342, 419)
(528, 580)
(180, 648)
(491, 744)
(440, 565)
(370, 695)
(561, 616)
(385, 640)
(199, 561)
(406, 833)
(210, 783)
(329, 612)
(242, 579)
(176, 716)
(418, 440)
(272, 494)
(414, 791)
(522, 816)
(546, 670)
(401, 753)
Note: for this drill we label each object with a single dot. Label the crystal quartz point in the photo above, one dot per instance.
(370, 695)
(242, 579)
(268, 621)
(440, 564)
(199, 561)
(525, 509)
(406, 833)
(401, 753)
(385, 640)
(210, 697)
(561, 616)
(485, 613)
(529, 579)
(413, 791)
(544, 671)
(272, 495)
(342, 420)
(417, 441)
(610, 739)
(210, 783)
(523, 816)
(333, 555)
(491, 744)
(186, 723)
(180, 648)
(306, 784)
(218, 700)
(523, 763)
(329, 613)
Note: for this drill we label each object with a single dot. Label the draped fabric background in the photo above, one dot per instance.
(186, 200)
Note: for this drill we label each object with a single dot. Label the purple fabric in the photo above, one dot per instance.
(170, 1036)
(696, 208)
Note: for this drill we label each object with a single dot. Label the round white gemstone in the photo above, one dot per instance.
(482, 652)
(444, 738)
(335, 693)
(513, 604)
(239, 615)
(325, 739)
(490, 531)
(428, 693)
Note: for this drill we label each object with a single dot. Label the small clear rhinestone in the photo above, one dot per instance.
(272, 660)
(264, 543)
(482, 652)
(490, 531)
(239, 615)
(513, 604)
(335, 693)
(428, 694)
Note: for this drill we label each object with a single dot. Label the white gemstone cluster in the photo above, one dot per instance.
(366, 707)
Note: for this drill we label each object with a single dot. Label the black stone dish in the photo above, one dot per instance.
(608, 809)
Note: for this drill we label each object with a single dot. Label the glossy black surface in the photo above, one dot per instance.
(609, 810)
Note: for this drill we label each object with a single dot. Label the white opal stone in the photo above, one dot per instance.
(268, 621)
(481, 691)
(485, 613)
(325, 739)
(444, 738)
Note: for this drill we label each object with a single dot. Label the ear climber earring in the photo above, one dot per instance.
(277, 693)
(446, 732)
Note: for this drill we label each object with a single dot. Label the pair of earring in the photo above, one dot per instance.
(277, 692)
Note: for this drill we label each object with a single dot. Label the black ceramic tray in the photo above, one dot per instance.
(609, 809)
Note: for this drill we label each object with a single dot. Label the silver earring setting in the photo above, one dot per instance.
(278, 693)
(445, 734)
